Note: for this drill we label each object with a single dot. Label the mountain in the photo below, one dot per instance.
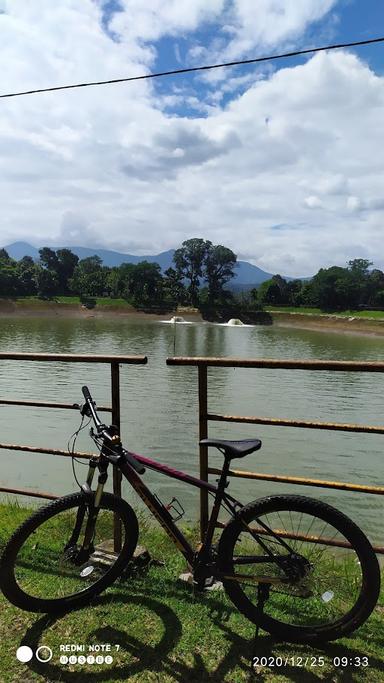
(19, 249)
(247, 274)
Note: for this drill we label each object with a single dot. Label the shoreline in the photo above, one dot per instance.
(48, 309)
(306, 321)
(329, 323)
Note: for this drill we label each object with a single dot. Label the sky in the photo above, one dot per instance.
(280, 161)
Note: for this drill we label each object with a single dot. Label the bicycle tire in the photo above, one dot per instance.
(13, 563)
(366, 564)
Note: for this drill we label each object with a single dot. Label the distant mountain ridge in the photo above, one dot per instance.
(247, 274)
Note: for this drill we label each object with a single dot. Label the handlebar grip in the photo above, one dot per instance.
(134, 463)
(86, 393)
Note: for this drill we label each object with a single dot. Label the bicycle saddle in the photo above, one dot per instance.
(234, 449)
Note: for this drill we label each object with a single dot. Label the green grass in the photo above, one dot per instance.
(30, 301)
(318, 311)
(165, 633)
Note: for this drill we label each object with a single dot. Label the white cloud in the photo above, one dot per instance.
(353, 203)
(111, 166)
(313, 202)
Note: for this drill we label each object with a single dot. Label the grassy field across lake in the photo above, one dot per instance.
(160, 631)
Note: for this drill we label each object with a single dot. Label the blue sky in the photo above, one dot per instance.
(347, 21)
(277, 161)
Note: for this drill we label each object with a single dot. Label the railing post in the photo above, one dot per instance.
(203, 434)
(115, 390)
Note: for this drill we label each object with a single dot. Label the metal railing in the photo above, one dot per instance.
(203, 363)
(114, 362)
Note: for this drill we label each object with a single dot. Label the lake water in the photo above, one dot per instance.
(159, 406)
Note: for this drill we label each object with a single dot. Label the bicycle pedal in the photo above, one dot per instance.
(214, 586)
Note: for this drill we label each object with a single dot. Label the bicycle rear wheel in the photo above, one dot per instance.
(317, 589)
(43, 567)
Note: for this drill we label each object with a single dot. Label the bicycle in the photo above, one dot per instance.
(294, 566)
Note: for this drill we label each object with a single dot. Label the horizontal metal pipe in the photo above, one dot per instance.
(47, 451)
(44, 404)
(27, 492)
(301, 481)
(344, 366)
(74, 358)
(379, 549)
(304, 424)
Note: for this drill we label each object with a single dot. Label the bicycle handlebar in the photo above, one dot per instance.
(91, 405)
(103, 430)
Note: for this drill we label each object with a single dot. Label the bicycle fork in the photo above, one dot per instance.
(92, 503)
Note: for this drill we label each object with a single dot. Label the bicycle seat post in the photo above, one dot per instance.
(222, 484)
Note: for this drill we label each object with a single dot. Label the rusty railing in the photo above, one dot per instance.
(203, 363)
(114, 362)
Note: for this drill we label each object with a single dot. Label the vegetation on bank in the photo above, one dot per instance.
(201, 277)
(165, 633)
(201, 269)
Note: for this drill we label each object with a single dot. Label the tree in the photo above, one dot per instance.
(173, 286)
(375, 288)
(294, 292)
(48, 259)
(219, 264)
(189, 260)
(26, 276)
(274, 291)
(5, 257)
(61, 264)
(360, 274)
(8, 275)
(66, 264)
(359, 267)
(146, 283)
(46, 282)
(335, 288)
(89, 277)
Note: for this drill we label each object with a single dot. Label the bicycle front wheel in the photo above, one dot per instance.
(320, 575)
(44, 567)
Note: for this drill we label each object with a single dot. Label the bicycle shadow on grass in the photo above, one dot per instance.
(158, 658)
(144, 656)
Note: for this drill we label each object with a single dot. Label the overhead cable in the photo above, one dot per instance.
(191, 69)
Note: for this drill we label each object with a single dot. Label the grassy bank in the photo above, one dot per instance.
(372, 315)
(36, 302)
(164, 633)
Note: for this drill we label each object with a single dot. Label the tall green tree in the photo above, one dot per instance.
(219, 265)
(66, 264)
(189, 260)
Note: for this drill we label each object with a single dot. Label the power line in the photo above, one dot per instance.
(197, 68)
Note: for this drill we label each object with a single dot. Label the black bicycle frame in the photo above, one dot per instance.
(162, 514)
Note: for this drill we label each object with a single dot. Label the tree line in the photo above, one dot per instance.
(334, 288)
(199, 275)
